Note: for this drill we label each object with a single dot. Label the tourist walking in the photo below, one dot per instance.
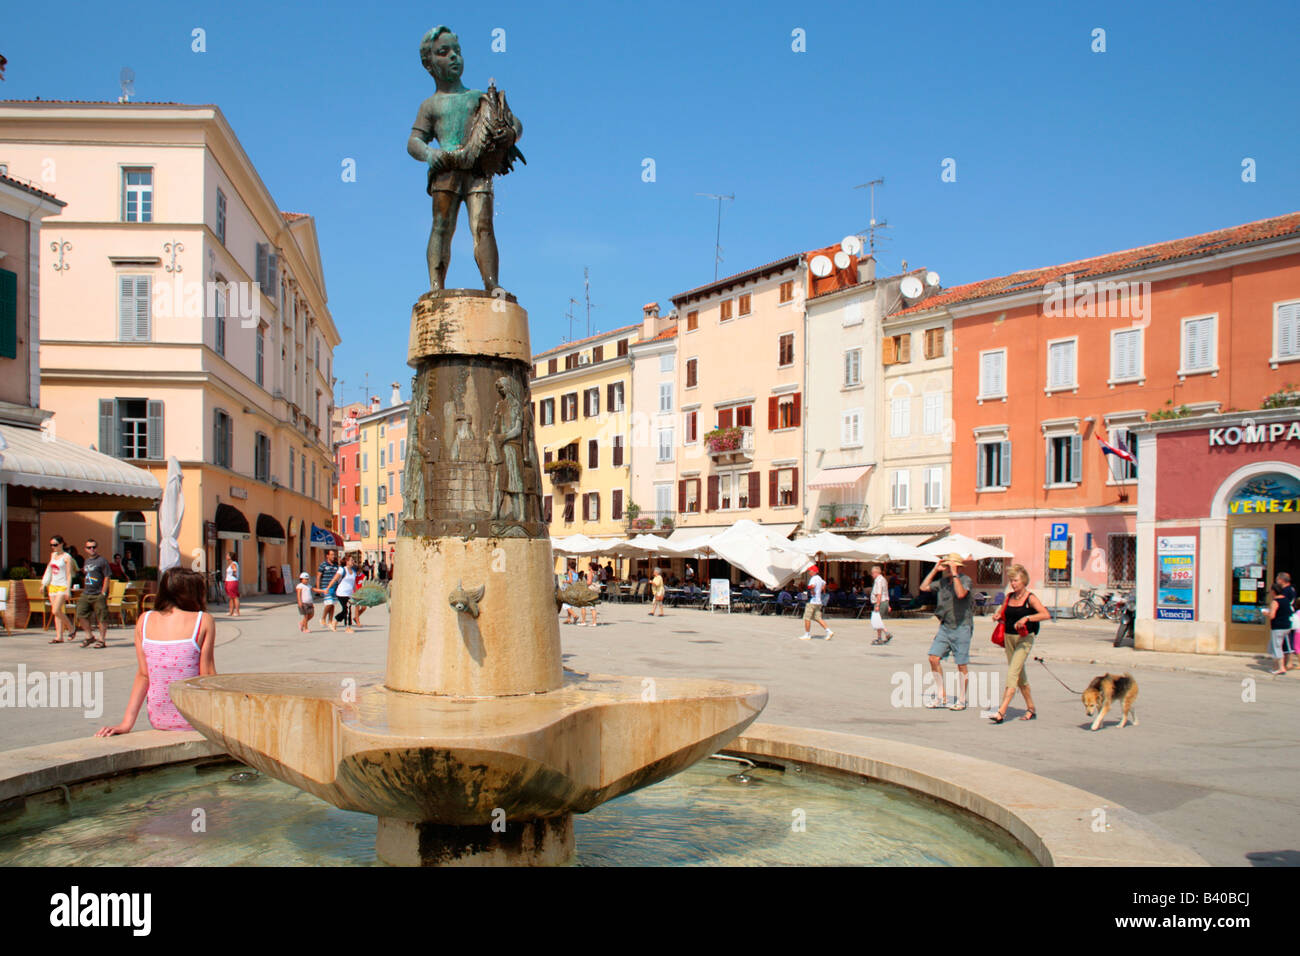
(1020, 612)
(657, 593)
(813, 609)
(57, 585)
(956, 624)
(326, 572)
(92, 605)
(592, 577)
(1288, 642)
(305, 605)
(345, 583)
(174, 641)
(1279, 616)
(232, 584)
(879, 604)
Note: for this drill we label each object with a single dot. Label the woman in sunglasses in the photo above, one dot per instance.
(57, 585)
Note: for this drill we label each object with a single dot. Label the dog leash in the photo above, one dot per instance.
(1055, 678)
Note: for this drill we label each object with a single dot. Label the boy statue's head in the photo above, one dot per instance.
(440, 54)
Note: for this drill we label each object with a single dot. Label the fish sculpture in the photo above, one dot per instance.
(575, 594)
(466, 602)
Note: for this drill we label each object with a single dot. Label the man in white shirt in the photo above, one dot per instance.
(813, 609)
(879, 605)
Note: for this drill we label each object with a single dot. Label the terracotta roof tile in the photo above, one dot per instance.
(667, 333)
(28, 187)
(294, 216)
(775, 264)
(1207, 243)
(579, 343)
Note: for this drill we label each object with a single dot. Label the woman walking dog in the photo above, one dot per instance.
(1020, 613)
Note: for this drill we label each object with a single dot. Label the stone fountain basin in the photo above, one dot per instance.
(459, 761)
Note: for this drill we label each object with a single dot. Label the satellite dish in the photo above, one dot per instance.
(932, 279)
(911, 288)
(842, 260)
(851, 245)
(821, 266)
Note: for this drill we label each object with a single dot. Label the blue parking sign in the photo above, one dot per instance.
(1060, 531)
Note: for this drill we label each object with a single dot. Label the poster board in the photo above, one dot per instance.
(290, 582)
(1176, 584)
(720, 593)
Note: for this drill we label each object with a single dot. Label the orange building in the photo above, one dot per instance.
(1048, 361)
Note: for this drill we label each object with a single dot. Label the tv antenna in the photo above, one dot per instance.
(127, 80)
(873, 224)
(586, 286)
(717, 241)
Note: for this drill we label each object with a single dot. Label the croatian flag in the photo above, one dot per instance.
(1117, 449)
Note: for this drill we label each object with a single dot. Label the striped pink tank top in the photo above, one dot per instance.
(168, 661)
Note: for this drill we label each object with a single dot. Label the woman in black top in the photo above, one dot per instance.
(1279, 616)
(1020, 613)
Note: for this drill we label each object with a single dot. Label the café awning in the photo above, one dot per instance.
(231, 524)
(71, 477)
(269, 529)
(844, 477)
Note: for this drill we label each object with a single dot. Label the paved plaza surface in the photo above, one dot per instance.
(1215, 771)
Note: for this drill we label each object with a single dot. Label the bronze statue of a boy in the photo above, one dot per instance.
(476, 134)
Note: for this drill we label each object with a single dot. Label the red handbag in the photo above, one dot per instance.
(1000, 634)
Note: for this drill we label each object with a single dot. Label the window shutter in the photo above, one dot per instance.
(107, 427)
(272, 273)
(773, 495)
(1190, 346)
(1076, 458)
(586, 404)
(609, 396)
(598, 353)
(794, 415)
(772, 412)
(216, 437)
(126, 308)
(1004, 479)
(681, 497)
(1204, 345)
(724, 418)
(1288, 330)
(713, 493)
(981, 467)
(617, 506)
(905, 348)
(595, 401)
(260, 269)
(755, 492)
(618, 451)
(1048, 477)
(593, 454)
(888, 354)
(154, 438)
(794, 486)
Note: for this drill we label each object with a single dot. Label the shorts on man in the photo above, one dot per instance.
(812, 612)
(462, 182)
(954, 641)
(93, 608)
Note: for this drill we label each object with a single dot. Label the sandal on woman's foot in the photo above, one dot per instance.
(1029, 715)
(1274, 673)
(58, 641)
(959, 705)
(937, 704)
(997, 718)
(98, 644)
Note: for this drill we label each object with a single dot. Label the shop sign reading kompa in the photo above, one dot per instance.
(1249, 433)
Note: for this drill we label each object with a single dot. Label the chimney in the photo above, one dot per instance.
(397, 395)
(867, 269)
(650, 320)
(374, 403)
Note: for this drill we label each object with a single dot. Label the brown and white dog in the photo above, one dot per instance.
(1105, 689)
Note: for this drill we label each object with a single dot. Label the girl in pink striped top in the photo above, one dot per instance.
(172, 642)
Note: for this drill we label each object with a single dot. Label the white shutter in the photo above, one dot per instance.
(1205, 345)
(1191, 337)
(1288, 330)
(932, 413)
(142, 295)
(1060, 372)
(1127, 358)
(900, 417)
(992, 377)
(126, 308)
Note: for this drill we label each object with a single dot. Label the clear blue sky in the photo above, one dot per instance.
(1061, 152)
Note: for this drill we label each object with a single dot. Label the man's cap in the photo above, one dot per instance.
(813, 570)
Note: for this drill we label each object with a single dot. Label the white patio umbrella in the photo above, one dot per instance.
(887, 548)
(576, 544)
(968, 548)
(170, 512)
(759, 552)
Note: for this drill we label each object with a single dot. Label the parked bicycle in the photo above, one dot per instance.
(1089, 604)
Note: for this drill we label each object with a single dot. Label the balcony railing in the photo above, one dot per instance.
(565, 474)
(730, 444)
(652, 522)
(843, 517)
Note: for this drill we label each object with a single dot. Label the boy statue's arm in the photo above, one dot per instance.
(422, 133)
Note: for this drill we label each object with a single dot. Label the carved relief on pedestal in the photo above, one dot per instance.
(473, 475)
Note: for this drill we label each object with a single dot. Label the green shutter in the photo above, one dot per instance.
(108, 427)
(8, 314)
(154, 439)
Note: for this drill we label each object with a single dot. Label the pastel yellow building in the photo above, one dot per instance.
(183, 314)
(580, 393)
(382, 447)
